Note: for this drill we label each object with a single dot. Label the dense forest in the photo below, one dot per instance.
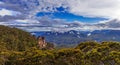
(20, 48)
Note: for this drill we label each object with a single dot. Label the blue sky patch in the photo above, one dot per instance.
(69, 17)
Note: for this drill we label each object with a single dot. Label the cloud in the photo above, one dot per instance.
(1, 2)
(79, 26)
(10, 12)
(5, 12)
(88, 8)
(95, 8)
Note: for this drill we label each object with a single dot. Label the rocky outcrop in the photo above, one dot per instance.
(41, 42)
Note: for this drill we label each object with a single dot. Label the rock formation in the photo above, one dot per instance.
(41, 42)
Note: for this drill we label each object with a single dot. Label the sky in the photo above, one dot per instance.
(69, 17)
(60, 15)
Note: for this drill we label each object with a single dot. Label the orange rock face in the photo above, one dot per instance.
(41, 42)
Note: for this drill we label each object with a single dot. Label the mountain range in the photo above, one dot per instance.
(75, 37)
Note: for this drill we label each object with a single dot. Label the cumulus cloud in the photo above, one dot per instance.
(95, 8)
(88, 8)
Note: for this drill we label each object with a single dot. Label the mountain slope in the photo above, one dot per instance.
(15, 39)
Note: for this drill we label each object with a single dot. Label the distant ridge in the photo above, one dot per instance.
(75, 37)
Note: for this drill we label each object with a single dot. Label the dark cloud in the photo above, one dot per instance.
(10, 18)
(115, 23)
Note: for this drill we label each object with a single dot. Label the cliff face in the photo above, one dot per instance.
(41, 42)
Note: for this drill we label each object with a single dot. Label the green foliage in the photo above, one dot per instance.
(19, 48)
(69, 57)
(97, 54)
(87, 46)
(12, 42)
(15, 39)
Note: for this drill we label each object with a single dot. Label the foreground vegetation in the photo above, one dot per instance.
(20, 48)
(86, 53)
